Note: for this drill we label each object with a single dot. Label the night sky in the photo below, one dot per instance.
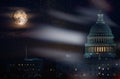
(52, 16)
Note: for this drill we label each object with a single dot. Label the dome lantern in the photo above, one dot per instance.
(100, 17)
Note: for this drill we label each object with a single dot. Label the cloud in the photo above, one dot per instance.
(54, 34)
(58, 55)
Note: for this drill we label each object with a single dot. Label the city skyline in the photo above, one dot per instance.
(59, 39)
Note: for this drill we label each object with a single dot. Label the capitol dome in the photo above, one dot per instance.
(100, 28)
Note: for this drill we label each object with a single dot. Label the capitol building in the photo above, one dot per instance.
(100, 53)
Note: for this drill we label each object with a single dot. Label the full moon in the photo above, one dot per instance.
(20, 17)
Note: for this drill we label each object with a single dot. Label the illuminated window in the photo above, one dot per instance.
(103, 69)
(51, 69)
(104, 49)
(116, 64)
(21, 64)
(99, 73)
(97, 49)
(76, 69)
(99, 67)
(84, 74)
(102, 73)
(18, 64)
(27, 64)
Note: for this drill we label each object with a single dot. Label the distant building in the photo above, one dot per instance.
(100, 50)
(31, 69)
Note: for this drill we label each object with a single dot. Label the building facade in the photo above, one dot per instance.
(100, 50)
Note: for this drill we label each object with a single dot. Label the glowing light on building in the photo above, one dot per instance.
(99, 67)
(76, 69)
(84, 75)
